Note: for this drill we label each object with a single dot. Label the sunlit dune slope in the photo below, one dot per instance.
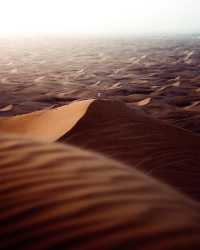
(47, 125)
(110, 127)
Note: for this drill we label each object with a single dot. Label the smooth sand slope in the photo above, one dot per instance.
(47, 125)
(60, 197)
(110, 127)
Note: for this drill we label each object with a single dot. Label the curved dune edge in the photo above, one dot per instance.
(46, 125)
(110, 127)
(61, 197)
(164, 151)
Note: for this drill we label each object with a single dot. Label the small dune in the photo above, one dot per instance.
(144, 102)
(6, 108)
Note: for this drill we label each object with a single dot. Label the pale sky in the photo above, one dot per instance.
(100, 16)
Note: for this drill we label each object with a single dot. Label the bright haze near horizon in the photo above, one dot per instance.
(99, 17)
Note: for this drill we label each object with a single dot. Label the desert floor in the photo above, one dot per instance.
(159, 76)
(95, 167)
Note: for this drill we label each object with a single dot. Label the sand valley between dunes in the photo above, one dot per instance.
(100, 144)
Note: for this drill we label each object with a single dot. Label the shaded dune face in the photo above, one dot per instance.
(60, 197)
(163, 151)
(110, 127)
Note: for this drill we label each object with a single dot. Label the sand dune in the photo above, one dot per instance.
(110, 127)
(47, 125)
(60, 197)
(164, 151)
(57, 196)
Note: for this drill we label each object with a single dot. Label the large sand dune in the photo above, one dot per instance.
(140, 189)
(60, 197)
(164, 151)
(110, 127)
(47, 125)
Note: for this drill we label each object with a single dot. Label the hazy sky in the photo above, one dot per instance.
(100, 16)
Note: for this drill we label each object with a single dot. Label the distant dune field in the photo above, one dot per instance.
(100, 144)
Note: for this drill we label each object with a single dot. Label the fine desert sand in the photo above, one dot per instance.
(61, 197)
(100, 144)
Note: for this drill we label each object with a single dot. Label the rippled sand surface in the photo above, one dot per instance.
(99, 143)
(158, 75)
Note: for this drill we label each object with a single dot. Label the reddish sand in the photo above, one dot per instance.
(134, 104)
(110, 127)
(159, 75)
(60, 197)
(164, 151)
(47, 125)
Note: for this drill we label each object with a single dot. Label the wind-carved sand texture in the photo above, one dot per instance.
(159, 75)
(99, 144)
(61, 197)
(166, 152)
(110, 127)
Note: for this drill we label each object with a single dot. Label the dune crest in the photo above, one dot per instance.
(110, 127)
(164, 151)
(47, 125)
